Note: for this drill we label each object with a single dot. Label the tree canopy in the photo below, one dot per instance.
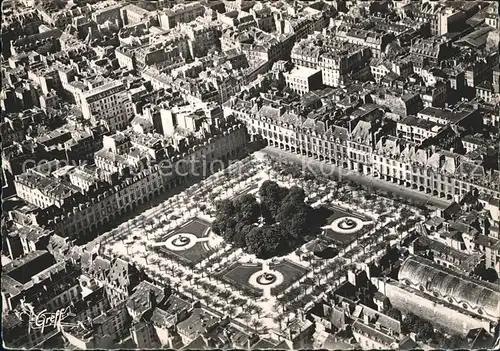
(423, 329)
(487, 274)
(287, 220)
(271, 196)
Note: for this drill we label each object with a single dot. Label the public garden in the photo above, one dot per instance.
(190, 243)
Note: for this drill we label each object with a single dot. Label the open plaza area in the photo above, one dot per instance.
(174, 243)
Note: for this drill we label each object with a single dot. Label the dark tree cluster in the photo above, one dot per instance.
(422, 328)
(487, 274)
(286, 217)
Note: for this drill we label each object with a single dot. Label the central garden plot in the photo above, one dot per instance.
(189, 244)
(262, 279)
(344, 226)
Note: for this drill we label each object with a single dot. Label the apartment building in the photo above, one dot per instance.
(103, 332)
(431, 50)
(202, 36)
(132, 14)
(362, 148)
(180, 13)
(416, 129)
(107, 13)
(106, 203)
(442, 18)
(375, 41)
(37, 282)
(303, 80)
(37, 186)
(110, 103)
(335, 58)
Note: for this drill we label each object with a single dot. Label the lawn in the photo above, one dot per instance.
(342, 239)
(197, 227)
(291, 273)
(195, 254)
(238, 275)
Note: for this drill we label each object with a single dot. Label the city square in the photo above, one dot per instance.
(289, 175)
(189, 255)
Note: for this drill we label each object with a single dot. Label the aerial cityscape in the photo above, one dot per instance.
(250, 174)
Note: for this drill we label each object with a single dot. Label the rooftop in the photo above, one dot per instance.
(303, 72)
(447, 282)
(197, 323)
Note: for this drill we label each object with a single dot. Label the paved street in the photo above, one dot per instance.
(358, 178)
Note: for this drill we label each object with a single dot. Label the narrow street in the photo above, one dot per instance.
(309, 163)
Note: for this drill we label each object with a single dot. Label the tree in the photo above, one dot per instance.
(424, 329)
(266, 241)
(409, 322)
(490, 275)
(271, 195)
(487, 274)
(248, 209)
(454, 342)
(256, 324)
(229, 233)
(226, 213)
(394, 313)
(295, 195)
(293, 216)
(240, 233)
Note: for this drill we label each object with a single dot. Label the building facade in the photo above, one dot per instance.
(106, 204)
(440, 173)
(108, 102)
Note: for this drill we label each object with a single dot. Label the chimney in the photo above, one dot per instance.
(152, 299)
(351, 277)
(366, 319)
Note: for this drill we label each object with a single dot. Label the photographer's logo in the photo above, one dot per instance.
(43, 319)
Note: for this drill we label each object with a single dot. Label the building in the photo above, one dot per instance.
(110, 103)
(486, 91)
(432, 50)
(416, 129)
(108, 13)
(202, 36)
(303, 80)
(132, 14)
(180, 13)
(449, 299)
(38, 283)
(362, 147)
(442, 18)
(37, 186)
(45, 275)
(87, 211)
(336, 59)
(103, 332)
(375, 41)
